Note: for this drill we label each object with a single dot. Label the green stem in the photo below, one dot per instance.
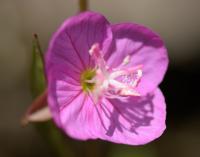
(83, 5)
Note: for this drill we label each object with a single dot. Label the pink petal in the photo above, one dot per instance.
(79, 119)
(136, 122)
(82, 120)
(62, 88)
(145, 48)
(70, 44)
(38, 111)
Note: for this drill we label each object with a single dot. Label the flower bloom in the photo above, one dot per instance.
(103, 80)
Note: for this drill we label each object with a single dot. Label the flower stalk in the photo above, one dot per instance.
(83, 5)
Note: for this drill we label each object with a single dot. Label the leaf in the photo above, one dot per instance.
(38, 84)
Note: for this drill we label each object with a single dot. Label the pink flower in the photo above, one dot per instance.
(103, 80)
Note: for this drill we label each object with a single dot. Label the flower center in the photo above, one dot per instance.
(104, 81)
(86, 77)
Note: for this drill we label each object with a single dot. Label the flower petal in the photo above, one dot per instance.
(136, 122)
(70, 44)
(82, 120)
(38, 111)
(144, 48)
(79, 119)
(62, 88)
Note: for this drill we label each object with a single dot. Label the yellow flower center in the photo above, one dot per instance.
(86, 77)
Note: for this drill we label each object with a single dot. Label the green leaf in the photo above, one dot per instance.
(37, 69)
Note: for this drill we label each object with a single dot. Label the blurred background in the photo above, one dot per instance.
(177, 21)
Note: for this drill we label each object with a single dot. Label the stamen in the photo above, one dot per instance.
(126, 60)
(94, 50)
(96, 54)
(127, 71)
(111, 83)
(129, 92)
(132, 79)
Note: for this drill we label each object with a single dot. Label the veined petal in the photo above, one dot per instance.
(143, 47)
(62, 89)
(70, 44)
(135, 122)
(81, 119)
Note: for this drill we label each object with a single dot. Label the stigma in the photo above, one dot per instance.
(105, 81)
